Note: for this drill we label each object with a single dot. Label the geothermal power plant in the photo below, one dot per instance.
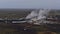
(40, 16)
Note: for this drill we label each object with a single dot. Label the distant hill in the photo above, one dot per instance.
(19, 13)
(54, 12)
(14, 13)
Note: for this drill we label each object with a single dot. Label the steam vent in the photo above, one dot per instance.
(43, 16)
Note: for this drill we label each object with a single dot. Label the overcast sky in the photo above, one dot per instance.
(54, 4)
